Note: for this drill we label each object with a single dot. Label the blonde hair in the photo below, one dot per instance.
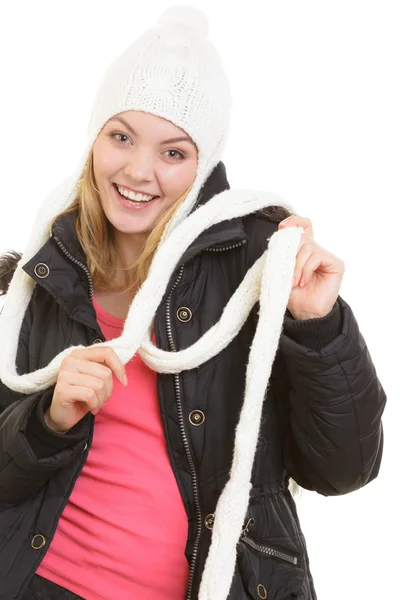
(94, 233)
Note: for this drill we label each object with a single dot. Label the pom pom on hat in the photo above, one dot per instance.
(187, 17)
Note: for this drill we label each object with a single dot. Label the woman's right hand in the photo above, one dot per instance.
(84, 384)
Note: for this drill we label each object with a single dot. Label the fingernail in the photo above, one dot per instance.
(125, 380)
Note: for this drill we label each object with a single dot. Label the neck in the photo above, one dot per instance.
(129, 247)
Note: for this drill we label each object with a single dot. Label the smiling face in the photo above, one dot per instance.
(139, 152)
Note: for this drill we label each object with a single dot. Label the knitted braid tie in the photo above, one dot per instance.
(269, 280)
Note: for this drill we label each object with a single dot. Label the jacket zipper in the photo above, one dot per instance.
(182, 425)
(269, 551)
(265, 549)
(185, 442)
(231, 247)
(63, 248)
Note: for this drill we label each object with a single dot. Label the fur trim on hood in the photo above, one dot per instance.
(8, 264)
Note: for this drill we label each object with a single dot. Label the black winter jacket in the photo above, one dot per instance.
(321, 423)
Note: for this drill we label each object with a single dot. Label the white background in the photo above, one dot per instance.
(315, 120)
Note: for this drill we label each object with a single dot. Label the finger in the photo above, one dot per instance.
(312, 264)
(295, 220)
(304, 253)
(319, 258)
(83, 394)
(100, 386)
(89, 368)
(96, 371)
(90, 398)
(105, 355)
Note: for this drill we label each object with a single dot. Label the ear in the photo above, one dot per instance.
(8, 264)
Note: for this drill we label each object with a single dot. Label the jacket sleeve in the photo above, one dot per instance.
(334, 438)
(31, 452)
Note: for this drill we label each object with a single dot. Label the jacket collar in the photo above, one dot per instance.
(220, 234)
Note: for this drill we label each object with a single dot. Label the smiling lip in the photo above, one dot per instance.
(126, 205)
(136, 191)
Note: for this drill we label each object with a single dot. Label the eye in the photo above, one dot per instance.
(180, 154)
(113, 135)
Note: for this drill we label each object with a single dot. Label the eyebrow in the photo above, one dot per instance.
(170, 141)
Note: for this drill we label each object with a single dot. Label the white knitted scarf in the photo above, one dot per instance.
(269, 281)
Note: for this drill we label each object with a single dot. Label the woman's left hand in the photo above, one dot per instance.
(318, 275)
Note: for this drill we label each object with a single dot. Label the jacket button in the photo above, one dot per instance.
(197, 417)
(38, 541)
(41, 270)
(209, 521)
(184, 314)
(261, 591)
(97, 340)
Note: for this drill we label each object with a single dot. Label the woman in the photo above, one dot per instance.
(125, 487)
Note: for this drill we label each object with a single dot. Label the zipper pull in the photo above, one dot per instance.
(248, 526)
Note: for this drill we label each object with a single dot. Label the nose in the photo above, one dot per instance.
(140, 167)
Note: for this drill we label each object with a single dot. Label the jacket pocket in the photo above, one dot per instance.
(268, 551)
(266, 572)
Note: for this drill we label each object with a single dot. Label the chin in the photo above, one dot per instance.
(131, 224)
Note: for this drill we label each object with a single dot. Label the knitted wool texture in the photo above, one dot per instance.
(172, 71)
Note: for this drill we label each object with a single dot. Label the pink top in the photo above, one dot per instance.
(123, 531)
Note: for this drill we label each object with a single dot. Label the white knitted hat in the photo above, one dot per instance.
(174, 72)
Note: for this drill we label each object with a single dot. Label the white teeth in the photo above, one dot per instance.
(133, 196)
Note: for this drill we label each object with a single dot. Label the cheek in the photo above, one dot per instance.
(105, 161)
(175, 181)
